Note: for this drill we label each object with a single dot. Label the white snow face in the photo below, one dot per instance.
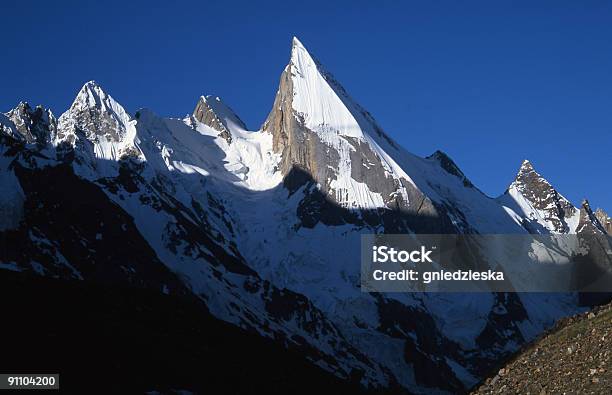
(316, 101)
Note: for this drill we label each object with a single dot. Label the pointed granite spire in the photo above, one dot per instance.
(97, 128)
(92, 96)
(539, 200)
(589, 223)
(325, 138)
(604, 219)
(95, 113)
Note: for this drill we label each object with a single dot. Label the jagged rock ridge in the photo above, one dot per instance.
(542, 207)
(589, 222)
(604, 219)
(214, 113)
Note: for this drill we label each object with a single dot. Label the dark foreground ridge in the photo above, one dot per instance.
(104, 339)
(575, 357)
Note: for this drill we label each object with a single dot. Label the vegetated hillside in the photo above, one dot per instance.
(575, 357)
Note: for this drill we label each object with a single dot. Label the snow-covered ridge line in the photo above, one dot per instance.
(98, 123)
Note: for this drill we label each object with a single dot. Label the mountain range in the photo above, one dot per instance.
(263, 226)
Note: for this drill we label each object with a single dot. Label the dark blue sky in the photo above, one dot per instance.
(490, 83)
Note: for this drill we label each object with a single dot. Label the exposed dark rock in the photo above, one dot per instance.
(449, 165)
(56, 239)
(317, 206)
(36, 125)
(299, 146)
(502, 323)
(426, 353)
(92, 115)
(604, 219)
(589, 223)
(543, 197)
(205, 114)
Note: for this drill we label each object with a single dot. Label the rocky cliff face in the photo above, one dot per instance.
(589, 223)
(34, 124)
(211, 111)
(604, 219)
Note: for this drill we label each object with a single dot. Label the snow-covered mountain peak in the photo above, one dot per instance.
(96, 118)
(35, 125)
(7, 127)
(527, 174)
(323, 134)
(96, 114)
(22, 107)
(298, 51)
(542, 208)
(320, 102)
(91, 94)
(296, 41)
(526, 168)
(93, 97)
(212, 112)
